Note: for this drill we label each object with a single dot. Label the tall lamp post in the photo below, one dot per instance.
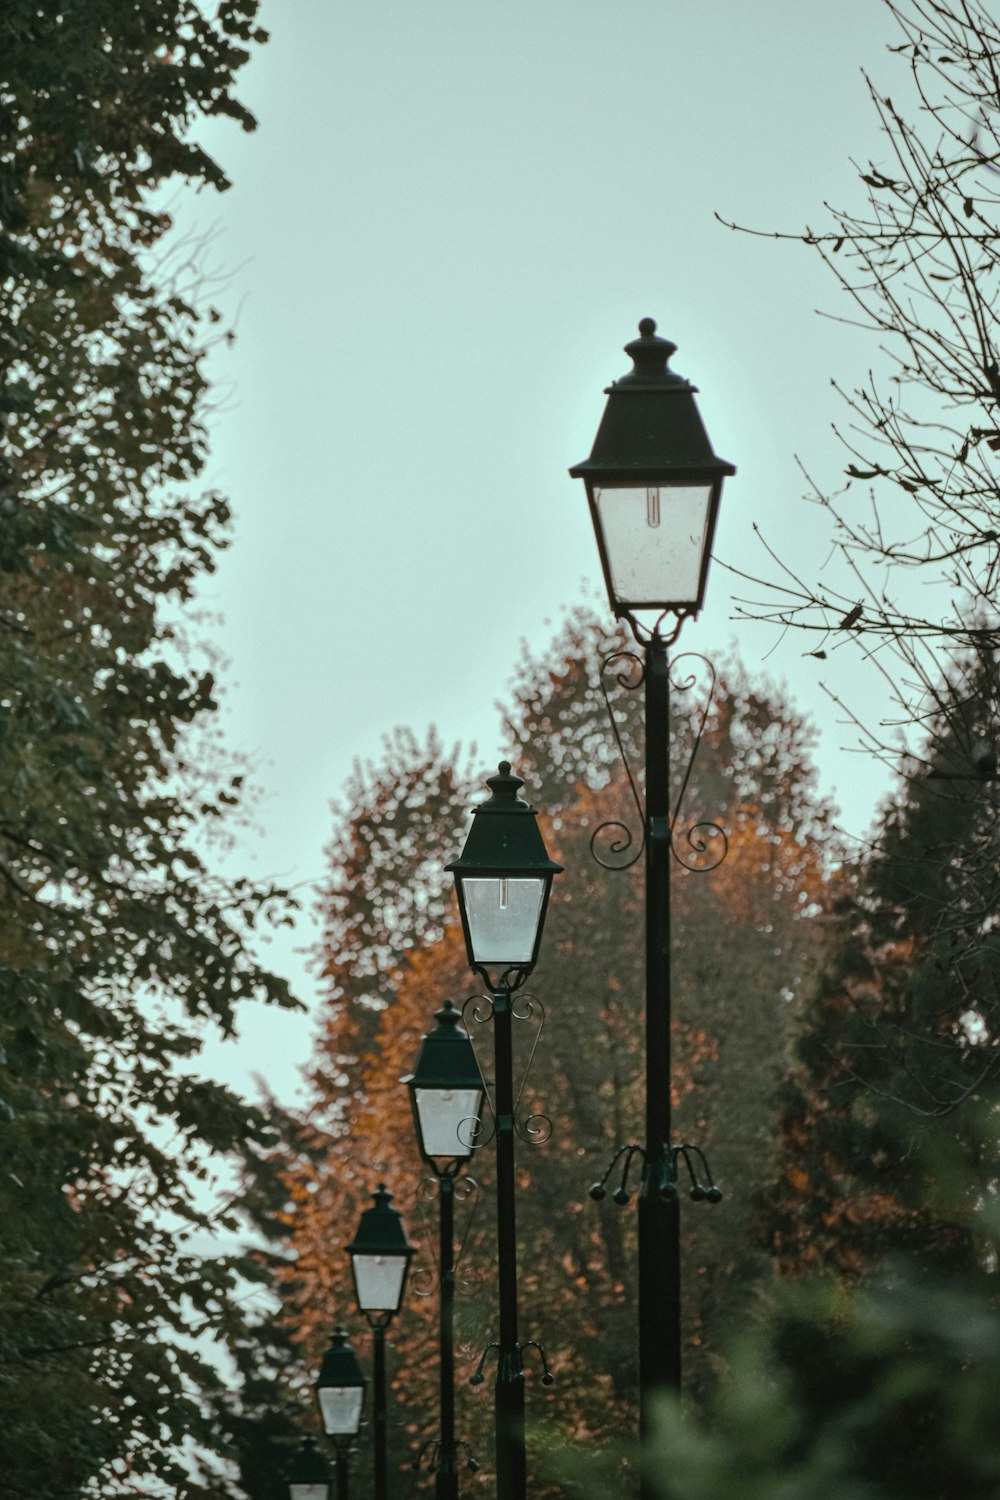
(503, 878)
(340, 1391)
(654, 485)
(446, 1091)
(380, 1258)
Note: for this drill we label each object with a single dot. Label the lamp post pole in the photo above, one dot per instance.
(340, 1390)
(341, 1460)
(446, 1091)
(659, 1216)
(654, 485)
(509, 1390)
(446, 1478)
(503, 878)
(380, 1425)
(380, 1257)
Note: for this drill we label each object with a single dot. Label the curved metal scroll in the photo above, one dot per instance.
(619, 837)
(431, 1449)
(703, 1187)
(424, 1280)
(700, 846)
(547, 1376)
(478, 1012)
(537, 1128)
(699, 837)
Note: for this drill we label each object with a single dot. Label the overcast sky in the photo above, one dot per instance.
(452, 216)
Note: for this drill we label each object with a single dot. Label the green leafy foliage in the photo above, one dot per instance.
(885, 1146)
(118, 947)
(886, 1393)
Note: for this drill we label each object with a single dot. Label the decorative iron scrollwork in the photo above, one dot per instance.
(617, 838)
(432, 1448)
(705, 839)
(424, 1280)
(547, 1376)
(702, 1189)
(699, 838)
(477, 1012)
(698, 847)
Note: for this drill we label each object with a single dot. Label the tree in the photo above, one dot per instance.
(386, 895)
(914, 529)
(118, 945)
(577, 1260)
(888, 1145)
(887, 1394)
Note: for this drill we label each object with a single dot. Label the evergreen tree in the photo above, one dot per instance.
(887, 1141)
(883, 1394)
(118, 946)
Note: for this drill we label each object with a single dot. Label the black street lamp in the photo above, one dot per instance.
(380, 1258)
(340, 1391)
(654, 485)
(446, 1091)
(503, 878)
(309, 1477)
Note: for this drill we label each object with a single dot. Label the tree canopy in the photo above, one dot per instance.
(119, 947)
(746, 938)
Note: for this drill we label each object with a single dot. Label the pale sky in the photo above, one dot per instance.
(450, 219)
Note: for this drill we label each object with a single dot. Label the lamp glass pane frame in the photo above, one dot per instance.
(655, 540)
(379, 1281)
(340, 1407)
(503, 916)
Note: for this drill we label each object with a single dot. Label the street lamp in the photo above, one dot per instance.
(503, 878)
(309, 1477)
(446, 1091)
(654, 485)
(340, 1391)
(380, 1257)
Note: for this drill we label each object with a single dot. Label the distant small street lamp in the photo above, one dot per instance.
(446, 1091)
(654, 485)
(503, 878)
(380, 1258)
(309, 1477)
(340, 1391)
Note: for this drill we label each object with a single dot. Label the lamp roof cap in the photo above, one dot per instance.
(381, 1231)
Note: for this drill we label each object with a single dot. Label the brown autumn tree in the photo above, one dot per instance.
(745, 934)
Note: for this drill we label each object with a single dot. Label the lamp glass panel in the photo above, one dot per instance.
(503, 917)
(654, 539)
(340, 1408)
(379, 1281)
(447, 1120)
(319, 1491)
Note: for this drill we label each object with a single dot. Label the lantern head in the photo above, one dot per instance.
(502, 878)
(654, 486)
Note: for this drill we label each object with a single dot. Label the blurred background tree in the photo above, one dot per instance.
(747, 936)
